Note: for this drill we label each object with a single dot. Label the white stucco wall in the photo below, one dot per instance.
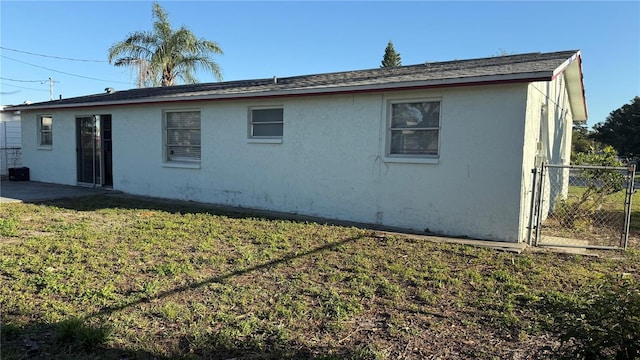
(56, 163)
(330, 163)
(547, 138)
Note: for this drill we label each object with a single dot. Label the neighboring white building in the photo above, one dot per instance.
(446, 147)
(10, 140)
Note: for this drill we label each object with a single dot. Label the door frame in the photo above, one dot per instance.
(103, 177)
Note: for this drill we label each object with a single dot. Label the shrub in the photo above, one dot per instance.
(600, 183)
(599, 322)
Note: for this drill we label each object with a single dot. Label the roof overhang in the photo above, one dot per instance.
(572, 70)
(315, 91)
(525, 68)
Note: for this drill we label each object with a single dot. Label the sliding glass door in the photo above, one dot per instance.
(93, 141)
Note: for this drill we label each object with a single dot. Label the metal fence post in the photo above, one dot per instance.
(631, 172)
(532, 206)
(539, 202)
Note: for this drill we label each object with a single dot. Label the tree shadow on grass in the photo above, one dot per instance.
(220, 279)
(87, 337)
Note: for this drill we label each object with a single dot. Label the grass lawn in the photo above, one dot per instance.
(122, 278)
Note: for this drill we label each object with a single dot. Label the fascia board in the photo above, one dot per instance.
(572, 69)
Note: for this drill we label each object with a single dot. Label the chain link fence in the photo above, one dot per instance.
(583, 206)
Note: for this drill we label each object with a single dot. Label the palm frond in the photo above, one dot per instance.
(190, 64)
(161, 26)
(127, 61)
(139, 45)
(168, 54)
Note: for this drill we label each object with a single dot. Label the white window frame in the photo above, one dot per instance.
(264, 139)
(181, 162)
(411, 158)
(41, 132)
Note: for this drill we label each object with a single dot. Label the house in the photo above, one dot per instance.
(445, 147)
(10, 152)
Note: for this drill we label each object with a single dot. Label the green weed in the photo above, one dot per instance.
(182, 281)
(8, 227)
(75, 334)
(599, 322)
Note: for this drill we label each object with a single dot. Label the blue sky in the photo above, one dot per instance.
(266, 39)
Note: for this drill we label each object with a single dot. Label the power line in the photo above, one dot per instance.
(22, 87)
(66, 73)
(51, 56)
(39, 81)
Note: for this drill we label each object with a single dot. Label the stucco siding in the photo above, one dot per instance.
(57, 163)
(547, 138)
(331, 162)
(473, 190)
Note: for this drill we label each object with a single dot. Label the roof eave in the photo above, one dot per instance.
(572, 70)
(324, 90)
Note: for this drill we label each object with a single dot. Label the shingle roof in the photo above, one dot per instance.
(523, 67)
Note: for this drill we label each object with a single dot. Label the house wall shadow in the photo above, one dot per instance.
(134, 202)
(39, 340)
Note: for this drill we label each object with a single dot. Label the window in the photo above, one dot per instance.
(266, 123)
(414, 129)
(182, 132)
(45, 124)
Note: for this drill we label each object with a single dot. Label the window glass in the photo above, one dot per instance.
(183, 138)
(46, 125)
(267, 115)
(424, 114)
(46, 139)
(418, 142)
(414, 128)
(267, 130)
(266, 123)
(183, 153)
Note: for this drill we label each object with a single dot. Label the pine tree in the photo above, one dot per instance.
(391, 57)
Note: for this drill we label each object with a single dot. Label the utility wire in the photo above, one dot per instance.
(22, 87)
(66, 73)
(51, 56)
(38, 81)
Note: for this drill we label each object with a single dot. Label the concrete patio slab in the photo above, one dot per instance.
(32, 191)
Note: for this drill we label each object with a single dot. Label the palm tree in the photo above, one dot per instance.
(164, 55)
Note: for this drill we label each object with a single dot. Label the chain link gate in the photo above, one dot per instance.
(581, 206)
